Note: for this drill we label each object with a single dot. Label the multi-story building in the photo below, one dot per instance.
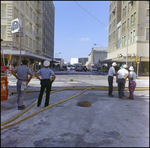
(37, 42)
(129, 33)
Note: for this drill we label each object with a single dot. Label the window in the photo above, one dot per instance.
(134, 18)
(124, 26)
(133, 35)
(125, 11)
(131, 19)
(3, 10)
(147, 15)
(30, 43)
(30, 27)
(124, 41)
(147, 33)
(26, 40)
(128, 23)
(27, 25)
(3, 32)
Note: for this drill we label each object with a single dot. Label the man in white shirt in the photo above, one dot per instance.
(111, 74)
(120, 79)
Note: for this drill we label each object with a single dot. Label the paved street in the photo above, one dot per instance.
(109, 122)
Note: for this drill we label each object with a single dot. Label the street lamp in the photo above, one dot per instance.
(102, 53)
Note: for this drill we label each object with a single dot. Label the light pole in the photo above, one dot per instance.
(127, 47)
(102, 54)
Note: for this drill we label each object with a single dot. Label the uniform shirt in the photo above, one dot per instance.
(111, 71)
(22, 72)
(122, 73)
(132, 74)
(45, 73)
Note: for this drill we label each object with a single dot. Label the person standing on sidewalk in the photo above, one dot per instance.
(132, 83)
(111, 74)
(46, 82)
(21, 73)
(120, 79)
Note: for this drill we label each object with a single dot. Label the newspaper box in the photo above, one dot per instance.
(4, 84)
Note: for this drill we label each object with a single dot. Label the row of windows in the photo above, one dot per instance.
(112, 25)
(112, 36)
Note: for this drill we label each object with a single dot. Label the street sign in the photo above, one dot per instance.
(138, 59)
(16, 25)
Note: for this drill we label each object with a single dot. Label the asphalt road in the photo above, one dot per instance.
(109, 122)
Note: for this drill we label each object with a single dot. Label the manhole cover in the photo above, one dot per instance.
(84, 103)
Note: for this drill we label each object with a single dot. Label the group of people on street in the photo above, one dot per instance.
(121, 76)
(47, 78)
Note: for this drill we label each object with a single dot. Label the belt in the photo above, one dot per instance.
(22, 80)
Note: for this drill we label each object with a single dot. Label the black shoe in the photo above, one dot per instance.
(121, 98)
(21, 107)
(45, 105)
(111, 95)
(38, 105)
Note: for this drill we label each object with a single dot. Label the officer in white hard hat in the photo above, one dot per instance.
(111, 74)
(120, 79)
(46, 82)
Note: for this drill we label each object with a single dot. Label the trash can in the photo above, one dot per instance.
(4, 84)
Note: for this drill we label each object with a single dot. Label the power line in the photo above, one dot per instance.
(91, 14)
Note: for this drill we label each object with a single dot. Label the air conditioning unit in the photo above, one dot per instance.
(133, 54)
(129, 54)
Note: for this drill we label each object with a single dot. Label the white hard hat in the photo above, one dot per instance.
(114, 64)
(131, 68)
(46, 63)
(125, 66)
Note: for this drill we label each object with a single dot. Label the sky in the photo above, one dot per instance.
(76, 31)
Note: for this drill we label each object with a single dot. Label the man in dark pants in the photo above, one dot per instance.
(45, 73)
(120, 79)
(111, 74)
(21, 73)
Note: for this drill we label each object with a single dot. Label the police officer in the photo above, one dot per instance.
(122, 75)
(111, 74)
(21, 73)
(45, 73)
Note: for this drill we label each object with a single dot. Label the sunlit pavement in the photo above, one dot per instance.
(109, 122)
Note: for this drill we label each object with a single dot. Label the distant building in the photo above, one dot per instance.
(129, 33)
(97, 54)
(79, 60)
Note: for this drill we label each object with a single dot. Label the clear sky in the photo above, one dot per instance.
(76, 31)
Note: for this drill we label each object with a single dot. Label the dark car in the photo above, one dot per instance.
(65, 67)
(61, 69)
(81, 68)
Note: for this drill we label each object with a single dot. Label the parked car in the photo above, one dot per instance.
(61, 69)
(65, 67)
(94, 68)
(81, 68)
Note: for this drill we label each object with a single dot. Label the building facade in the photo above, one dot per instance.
(36, 45)
(129, 33)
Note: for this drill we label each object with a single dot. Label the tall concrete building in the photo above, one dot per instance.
(37, 42)
(129, 33)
